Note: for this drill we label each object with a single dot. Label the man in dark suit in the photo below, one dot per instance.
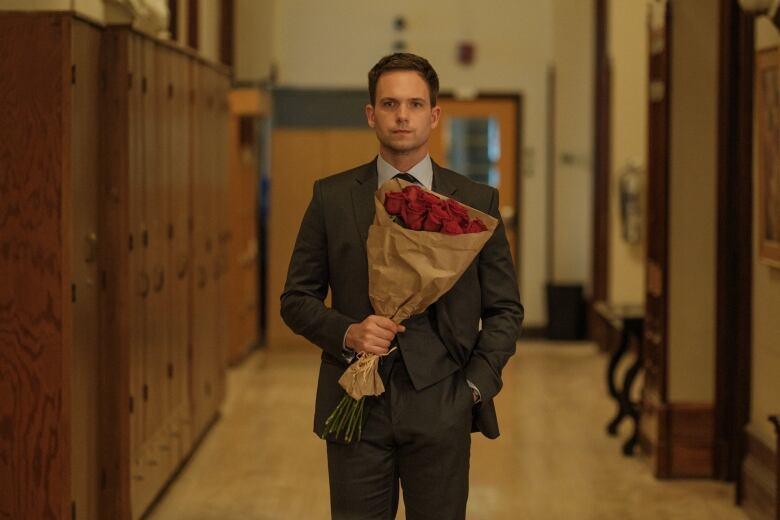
(441, 381)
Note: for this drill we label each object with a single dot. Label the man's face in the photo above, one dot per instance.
(402, 116)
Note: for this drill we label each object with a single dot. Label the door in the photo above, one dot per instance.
(85, 469)
(479, 138)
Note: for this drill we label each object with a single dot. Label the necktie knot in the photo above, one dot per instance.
(408, 177)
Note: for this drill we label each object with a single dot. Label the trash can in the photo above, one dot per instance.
(565, 312)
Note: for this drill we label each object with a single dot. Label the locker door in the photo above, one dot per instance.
(179, 254)
(201, 304)
(85, 47)
(152, 241)
(160, 232)
(139, 279)
(224, 236)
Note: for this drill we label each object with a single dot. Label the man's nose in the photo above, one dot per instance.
(402, 114)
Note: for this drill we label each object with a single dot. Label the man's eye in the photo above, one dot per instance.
(417, 104)
(388, 104)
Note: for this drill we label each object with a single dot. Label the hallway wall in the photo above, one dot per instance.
(573, 45)
(627, 48)
(253, 42)
(334, 44)
(692, 201)
(766, 302)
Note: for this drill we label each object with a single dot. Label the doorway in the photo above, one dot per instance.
(480, 138)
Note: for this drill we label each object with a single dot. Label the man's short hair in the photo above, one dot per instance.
(404, 61)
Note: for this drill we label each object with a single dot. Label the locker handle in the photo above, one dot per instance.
(202, 276)
(183, 266)
(159, 278)
(144, 285)
(91, 239)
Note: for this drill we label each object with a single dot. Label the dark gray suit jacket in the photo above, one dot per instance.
(330, 251)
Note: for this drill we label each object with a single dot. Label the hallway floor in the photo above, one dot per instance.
(553, 460)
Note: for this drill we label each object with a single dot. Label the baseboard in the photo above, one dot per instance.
(533, 333)
(677, 438)
(759, 478)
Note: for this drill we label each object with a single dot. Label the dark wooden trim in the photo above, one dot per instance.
(690, 440)
(601, 152)
(734, 241)
(657, 238)
(759, 479)
(677, 437)
(534, 333)
(193, 25)
(173, 19)
(114, 419)
(226, 32)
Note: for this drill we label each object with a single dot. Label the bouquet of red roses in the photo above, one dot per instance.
(418, 246)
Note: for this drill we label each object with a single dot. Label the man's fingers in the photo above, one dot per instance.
(388, 324)
(382, 333)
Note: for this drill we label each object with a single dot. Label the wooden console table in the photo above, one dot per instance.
(628, 320)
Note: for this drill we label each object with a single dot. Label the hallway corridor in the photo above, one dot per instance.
(553, 461)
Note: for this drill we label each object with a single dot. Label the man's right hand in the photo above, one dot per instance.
(373, 335)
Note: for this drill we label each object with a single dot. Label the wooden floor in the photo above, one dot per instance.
(553, 460)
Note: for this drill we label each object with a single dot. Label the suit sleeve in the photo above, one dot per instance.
(502, 312)
(302, 301)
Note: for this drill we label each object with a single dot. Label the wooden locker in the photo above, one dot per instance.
(203, 248)
(49, 281)
(224, 235)
(179, 254)
(85, 45)
(139, 236)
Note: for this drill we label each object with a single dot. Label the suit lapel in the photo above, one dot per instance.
(441, 181)
(443, 185)
(363, 199)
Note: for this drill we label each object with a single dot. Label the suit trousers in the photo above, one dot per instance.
(418, 439)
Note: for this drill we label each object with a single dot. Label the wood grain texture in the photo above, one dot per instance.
(677, 438)
(35, 329)
(759, 478)
(118, 425)
(84, 220)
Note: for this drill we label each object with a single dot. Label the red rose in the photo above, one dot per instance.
(451, 227)
(437, 214)
(430, 199)
(412, 193)
(394, 200)
(458, 211)
(413, 213)
(476, 226)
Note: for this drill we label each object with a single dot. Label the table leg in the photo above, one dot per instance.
(613, 391)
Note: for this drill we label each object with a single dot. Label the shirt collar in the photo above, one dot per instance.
(422, 171)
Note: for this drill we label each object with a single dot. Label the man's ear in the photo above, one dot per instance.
(435, 116)
(370, 115)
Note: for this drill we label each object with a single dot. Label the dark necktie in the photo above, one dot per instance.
(408, 177)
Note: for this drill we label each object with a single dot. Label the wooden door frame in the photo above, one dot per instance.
(517, 98)
(601, 159)
(734, 247)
